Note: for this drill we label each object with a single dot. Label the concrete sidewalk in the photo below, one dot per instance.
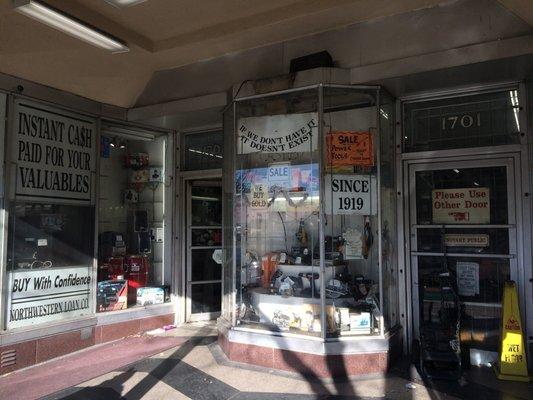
(187, 363)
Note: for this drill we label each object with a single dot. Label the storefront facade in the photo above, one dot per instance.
(453, 176)
(311, 212)
(87, 233)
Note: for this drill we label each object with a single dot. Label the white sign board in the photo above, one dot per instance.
(46, 295)
(289, 133)
(351, 194)
(279, 174)
(461, 206)
(353, 244)
(467, 278)
(55, 153)
(259, 197)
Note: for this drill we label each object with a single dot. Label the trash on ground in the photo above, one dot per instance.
(157, 331)
(169, 327)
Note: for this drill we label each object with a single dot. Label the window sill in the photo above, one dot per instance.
(35, 332)
(114, 317)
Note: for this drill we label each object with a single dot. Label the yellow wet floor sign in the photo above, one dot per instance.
(513, 363)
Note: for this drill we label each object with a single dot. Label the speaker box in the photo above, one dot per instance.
(140, 221)
(316, 60)
(141, 243)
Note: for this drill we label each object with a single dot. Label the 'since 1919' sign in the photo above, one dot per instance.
(350, 194)
(47, 295)
(54, 153)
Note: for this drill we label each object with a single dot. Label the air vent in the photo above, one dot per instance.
(8, 358)
(316, 60)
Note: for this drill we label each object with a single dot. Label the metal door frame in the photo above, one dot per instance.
(413, 168)
(511, 156)
(214, 179)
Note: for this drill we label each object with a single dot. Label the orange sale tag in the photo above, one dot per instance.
(350, 149)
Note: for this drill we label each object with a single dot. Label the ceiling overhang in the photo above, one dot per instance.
(166, 34)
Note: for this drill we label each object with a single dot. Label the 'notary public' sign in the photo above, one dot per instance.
(466, 240)
(278, 133)
(461, 206)
(54, 153)
(46, 295)
(350, 194)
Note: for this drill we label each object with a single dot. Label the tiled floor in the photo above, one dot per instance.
(186, 363)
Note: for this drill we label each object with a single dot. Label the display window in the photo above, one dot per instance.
(307, 214)
(49, 261)
(131, 223)
(51, 237)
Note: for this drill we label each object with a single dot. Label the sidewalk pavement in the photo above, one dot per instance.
(186, 363)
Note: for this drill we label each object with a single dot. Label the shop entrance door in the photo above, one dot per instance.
(463, 220)
(204, 249)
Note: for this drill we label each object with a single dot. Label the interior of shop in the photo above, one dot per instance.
(131, 223)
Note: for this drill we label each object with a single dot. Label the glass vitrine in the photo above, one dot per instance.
(309, 216)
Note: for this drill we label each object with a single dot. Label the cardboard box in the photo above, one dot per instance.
(150, 295)
(361, 322)
(112, 295)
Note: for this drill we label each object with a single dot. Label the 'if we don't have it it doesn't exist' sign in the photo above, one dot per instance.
(54, 153)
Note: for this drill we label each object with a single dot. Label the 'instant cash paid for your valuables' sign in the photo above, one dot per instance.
(54, 153)
(46, 295)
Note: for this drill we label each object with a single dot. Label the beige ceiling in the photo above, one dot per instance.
(164, 34)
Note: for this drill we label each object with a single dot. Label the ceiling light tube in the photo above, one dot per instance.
(124, 3)
(127, 133)
(69, 25)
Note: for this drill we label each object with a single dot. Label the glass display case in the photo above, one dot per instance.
(310, 212)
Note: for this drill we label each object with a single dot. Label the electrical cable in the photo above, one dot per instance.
(236, 94)
(284, 231)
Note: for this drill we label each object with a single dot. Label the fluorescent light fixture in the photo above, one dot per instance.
(513, 94)
(124, 3)
(69, 25)
(205, 153)
(128, 133)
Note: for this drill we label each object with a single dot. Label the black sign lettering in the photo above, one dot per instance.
(55, 154)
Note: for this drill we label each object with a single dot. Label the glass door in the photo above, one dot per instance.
(204, 249)
(462, 222)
